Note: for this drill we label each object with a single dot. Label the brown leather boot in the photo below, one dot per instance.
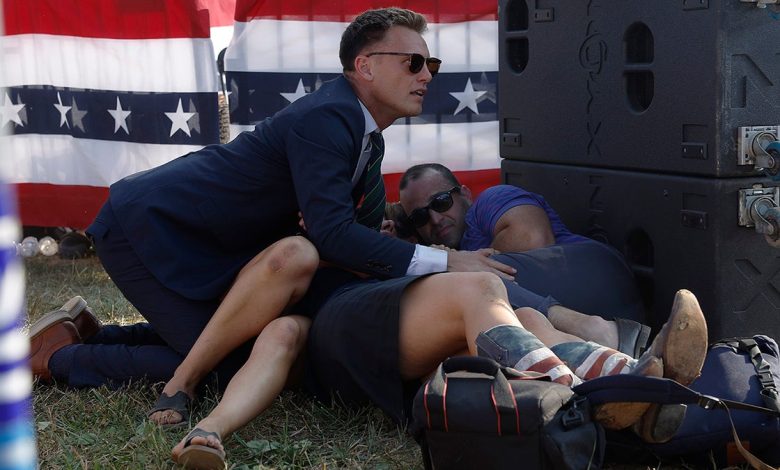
(682, 342)
(75, 310)
(47, 342)
(620, 415)
(678, 352)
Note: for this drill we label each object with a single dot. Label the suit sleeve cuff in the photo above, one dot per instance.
(427, 260)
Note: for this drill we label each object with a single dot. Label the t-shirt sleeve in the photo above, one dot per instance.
(493, 203)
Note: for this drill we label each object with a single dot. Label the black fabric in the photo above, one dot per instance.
(475, 414)
(353, 348)
(325, 282)
(131, 353)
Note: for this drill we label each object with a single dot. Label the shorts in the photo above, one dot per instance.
(353, 348)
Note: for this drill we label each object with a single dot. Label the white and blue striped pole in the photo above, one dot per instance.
(17, 438)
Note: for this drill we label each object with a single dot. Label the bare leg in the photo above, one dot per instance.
(588, 327)
(542, 327)
(437, 321)
(258, 382)
(265, 287)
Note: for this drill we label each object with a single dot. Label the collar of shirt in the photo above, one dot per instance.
(370, 126)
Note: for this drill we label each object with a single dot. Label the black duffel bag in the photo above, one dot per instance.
(474, 413)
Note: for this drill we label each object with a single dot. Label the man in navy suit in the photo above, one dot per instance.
(213, 231)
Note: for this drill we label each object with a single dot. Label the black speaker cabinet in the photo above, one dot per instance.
(658, 85)
(675, 232)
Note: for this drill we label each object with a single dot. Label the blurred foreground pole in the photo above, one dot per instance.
(17, 439)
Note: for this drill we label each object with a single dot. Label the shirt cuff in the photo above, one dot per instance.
(427, 260)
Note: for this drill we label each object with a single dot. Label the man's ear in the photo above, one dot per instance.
(363, 67)
(466, 192)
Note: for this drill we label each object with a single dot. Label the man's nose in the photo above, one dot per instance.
(425, 74)
(436, 218)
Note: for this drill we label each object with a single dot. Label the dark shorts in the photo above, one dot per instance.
(324, 284)
(353, 348)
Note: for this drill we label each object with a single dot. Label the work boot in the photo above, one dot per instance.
(75, 310)
(681, 347)
(48, 341)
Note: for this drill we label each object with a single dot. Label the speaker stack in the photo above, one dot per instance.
(644, 124)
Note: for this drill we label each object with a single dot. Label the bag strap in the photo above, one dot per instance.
(754, 461)
(626, 387)
(501, 394)
(769, 391)
(666, 391)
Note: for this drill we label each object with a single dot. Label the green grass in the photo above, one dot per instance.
(106, 429)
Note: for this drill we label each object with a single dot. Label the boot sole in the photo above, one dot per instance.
(686, 342)
(620, 415)
(69, 311)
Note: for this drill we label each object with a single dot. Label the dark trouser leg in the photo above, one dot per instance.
(176, 320)
(521, 297)
(588, 277)
(137, 334)
(94, 365)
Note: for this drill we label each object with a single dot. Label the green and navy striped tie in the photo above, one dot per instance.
(372, 211)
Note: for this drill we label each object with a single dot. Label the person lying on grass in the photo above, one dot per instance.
(376, 341)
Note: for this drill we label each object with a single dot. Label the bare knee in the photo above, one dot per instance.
(294, 253)
(478, 286)
(283, 336)
(292, 256)
(532, 319)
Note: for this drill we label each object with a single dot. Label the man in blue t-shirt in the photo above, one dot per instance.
(555, 267)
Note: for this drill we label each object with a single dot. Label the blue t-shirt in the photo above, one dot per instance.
(482, 216)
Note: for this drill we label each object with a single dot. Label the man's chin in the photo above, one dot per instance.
(454, 244)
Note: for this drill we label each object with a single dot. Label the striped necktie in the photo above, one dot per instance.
(372, 210)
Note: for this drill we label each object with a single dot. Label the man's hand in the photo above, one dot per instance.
(479, 261)
(388, 229)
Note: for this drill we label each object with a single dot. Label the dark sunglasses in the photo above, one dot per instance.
(440, 202)
(416, 61)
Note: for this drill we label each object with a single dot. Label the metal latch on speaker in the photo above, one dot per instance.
(759, 207)
(759, 146)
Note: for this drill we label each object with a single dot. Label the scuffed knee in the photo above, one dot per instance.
(294, 257)
(295, 253)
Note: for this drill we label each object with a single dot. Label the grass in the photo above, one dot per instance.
(106, 429)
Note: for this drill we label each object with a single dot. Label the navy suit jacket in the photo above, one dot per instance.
(197, 220)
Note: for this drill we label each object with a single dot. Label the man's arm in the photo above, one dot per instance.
(320, 151)
(523, 228)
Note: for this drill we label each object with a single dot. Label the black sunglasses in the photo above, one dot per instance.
(416, 61)
(440, 202)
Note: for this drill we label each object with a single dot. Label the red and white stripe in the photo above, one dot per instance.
(155, 46)
(303, 37)
(544, 361)
(604, 361)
